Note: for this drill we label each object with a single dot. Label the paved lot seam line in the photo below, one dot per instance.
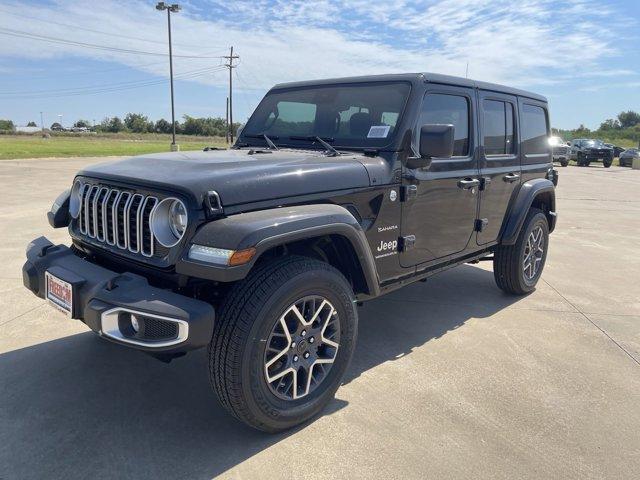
(594, 323)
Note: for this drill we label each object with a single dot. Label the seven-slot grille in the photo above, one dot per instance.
(117, 217)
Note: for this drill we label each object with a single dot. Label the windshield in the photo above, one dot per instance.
(355, 115)
(593, 143)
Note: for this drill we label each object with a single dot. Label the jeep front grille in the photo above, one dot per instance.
(117, 217)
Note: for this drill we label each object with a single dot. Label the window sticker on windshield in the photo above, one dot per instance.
(378, 131)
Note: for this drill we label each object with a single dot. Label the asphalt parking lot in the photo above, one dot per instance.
(451, 378)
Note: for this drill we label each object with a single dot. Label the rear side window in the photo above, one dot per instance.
(448, 109)
(534, 130)
(498, 127)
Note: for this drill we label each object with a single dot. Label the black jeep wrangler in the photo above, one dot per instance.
(336, 192)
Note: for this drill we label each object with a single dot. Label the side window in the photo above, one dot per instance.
(498, 128)
(534, 130)
(448, 109)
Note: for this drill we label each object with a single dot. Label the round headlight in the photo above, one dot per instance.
(177, 218)
(75, 199)
(169, 221)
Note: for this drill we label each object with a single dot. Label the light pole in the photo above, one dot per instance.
(170, 8)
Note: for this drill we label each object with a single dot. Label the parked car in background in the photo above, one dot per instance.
(616, 150)
(585, 150)
(626, 157)
(560, 150)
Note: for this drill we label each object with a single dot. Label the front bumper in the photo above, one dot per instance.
(595, 156)
(99, 294)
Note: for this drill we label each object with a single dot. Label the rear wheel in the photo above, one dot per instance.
(564, 163)
(517, 268)
(607, 162)
(284, 339)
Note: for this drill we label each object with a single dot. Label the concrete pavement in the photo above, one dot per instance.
(451, 378)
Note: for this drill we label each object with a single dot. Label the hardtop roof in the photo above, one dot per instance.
(418, 78)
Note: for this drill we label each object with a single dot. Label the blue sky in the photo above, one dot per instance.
(584, 55)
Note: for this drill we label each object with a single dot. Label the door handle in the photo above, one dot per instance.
(511, 177)
(468, 183)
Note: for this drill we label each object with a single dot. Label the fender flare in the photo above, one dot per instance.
(527, 194)
(59, 216)
(265, 229)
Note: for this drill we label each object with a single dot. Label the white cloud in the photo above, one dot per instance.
(526, 43)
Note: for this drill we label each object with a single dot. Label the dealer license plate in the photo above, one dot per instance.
(59, 294)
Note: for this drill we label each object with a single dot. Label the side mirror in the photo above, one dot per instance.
(436, 140)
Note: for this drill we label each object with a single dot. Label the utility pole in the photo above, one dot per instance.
(42, 122)
(171, 8)
(227, 122)
(231, 57)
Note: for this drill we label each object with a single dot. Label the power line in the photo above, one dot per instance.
(113, 87)
(93, 72)
(48, 39)
(110, 34)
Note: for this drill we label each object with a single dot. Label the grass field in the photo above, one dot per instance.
(34, 146)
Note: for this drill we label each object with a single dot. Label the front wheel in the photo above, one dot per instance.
(283, 341)
(607, 163)
(517, 268)
(564, 163)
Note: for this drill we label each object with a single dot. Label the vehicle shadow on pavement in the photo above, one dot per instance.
(82, 407)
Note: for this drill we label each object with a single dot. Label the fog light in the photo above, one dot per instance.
(134, 324)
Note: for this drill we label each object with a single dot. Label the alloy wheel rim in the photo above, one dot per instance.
(533, 253)
(302, 348)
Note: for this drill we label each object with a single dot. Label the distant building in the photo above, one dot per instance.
(28, 129)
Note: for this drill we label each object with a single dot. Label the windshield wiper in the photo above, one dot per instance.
(267, 139)
(330, 151)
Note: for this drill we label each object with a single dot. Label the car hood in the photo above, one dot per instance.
(238, 176)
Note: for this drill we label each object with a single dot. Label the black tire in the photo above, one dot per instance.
(580, 160)
(564, 163)
(508, 260)
(247, 320)
(607, 162)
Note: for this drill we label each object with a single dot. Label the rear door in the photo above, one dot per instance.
(500, 172)
(442, 209)
(536, 156)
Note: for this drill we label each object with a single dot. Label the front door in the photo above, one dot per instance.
(499, 161)
(440, 202)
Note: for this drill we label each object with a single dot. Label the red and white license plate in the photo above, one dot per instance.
(59, 294)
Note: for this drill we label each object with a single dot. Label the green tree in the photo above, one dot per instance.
(7, 125)
(31, 124)
(208, 126)
(138, 123)
(82, 124)
(610, 124)
(582, 131)
(629, 119)
(112, 125)
(162, 126)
